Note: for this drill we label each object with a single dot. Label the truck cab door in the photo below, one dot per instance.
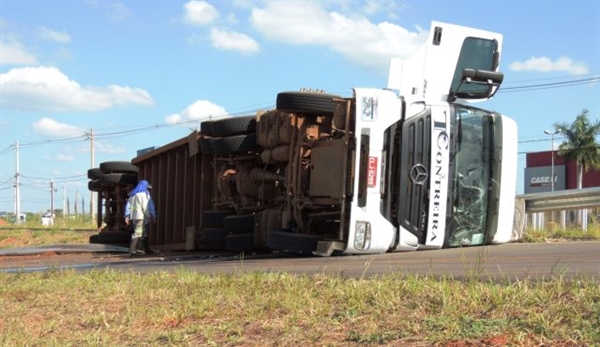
(455, 62)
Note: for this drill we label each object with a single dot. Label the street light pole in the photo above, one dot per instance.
(552, 133)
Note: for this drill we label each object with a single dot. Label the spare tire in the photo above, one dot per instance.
(300, 102)
(118, 167)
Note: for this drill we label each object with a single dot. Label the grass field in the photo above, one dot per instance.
(185, 308)
(110, 308)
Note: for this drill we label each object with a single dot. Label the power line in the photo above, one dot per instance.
(531, 87)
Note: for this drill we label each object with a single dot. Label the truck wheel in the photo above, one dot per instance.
(206, 145)
(234, 126)
(241, 242)
(94, 173)
(214, 219)
(288, 242)
(235, 144)
(95, 185)
(118, 167)
(212, 238)
(239, 224)
(111, 179)
(111, 238)
(306, 102)
(206, 128)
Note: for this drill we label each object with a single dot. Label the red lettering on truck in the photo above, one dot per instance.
(372, 172)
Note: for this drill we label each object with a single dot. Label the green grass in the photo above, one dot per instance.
(592, 233)
(102, 308)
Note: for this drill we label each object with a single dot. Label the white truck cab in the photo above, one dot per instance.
(439, 172)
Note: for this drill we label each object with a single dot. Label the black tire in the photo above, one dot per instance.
(239, 243)
(118, 167)
(234, 126)
(313, 103)
(239, 224)
(214, 219)
(111, 238)
(212, 238)
(95, 185)
(235, 144)
(288, 242)
(94, 173)
(112, 179)
(206, 146)
(206, 128)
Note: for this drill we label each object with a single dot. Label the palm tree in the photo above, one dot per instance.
(580, 145)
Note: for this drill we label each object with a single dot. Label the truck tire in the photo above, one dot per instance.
(206, 146)
(214, 219)
(239, 224)
(118, 167)
(206, 128)
(112, 179)
(239, 243)
(212, 238)
(288, 242)
(313, 103)
(95, 185)
(111, 238)
(234, 126)
(235, 144)
(94, 173)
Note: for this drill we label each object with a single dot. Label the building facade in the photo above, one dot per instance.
(540, 169)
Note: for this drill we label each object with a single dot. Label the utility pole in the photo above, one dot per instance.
(64, 211)
(52, 190)
(90, 136)
(75, 203)
(17, 187)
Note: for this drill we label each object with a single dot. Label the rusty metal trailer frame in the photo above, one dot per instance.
(181, 181)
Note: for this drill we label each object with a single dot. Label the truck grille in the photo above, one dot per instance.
(413, 192)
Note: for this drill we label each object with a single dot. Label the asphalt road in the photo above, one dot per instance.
(510, 261)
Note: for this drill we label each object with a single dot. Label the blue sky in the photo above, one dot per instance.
(144, 73)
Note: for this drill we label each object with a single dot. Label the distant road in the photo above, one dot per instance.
(521, 260)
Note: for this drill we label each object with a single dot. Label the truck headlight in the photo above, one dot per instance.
(362, 235)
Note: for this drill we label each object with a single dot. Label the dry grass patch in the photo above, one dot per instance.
(99, 308)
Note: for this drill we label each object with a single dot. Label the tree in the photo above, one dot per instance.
(580, 145)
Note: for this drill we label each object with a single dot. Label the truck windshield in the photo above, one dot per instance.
(471, 176)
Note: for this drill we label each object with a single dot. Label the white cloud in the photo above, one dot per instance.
(544, 64)
(199, 13)
(49, 127)
(12, 52)
(233, 41)
(48, 89)
(118, 12)
(53, 35)
(356, 38)
(199, 110)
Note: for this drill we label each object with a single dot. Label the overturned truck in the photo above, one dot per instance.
(414, 166)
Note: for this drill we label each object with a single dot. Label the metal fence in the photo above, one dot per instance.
(567, 207)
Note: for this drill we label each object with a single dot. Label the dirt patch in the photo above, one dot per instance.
(9, 242)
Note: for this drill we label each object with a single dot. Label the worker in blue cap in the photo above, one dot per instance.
(140, 211)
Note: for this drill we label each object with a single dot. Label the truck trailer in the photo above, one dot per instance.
(413, 166)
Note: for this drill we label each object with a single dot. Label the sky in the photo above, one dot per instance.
(139, 74)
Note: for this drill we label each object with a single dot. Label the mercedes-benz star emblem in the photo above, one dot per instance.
(418, 174)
